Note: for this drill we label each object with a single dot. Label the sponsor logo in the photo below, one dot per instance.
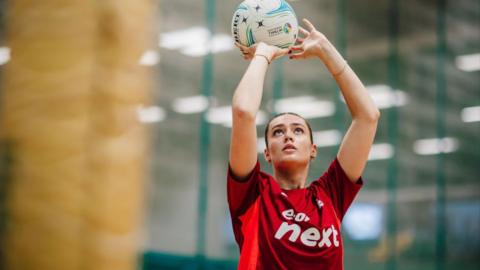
(275, 31)
(287, 28)
(311, 237)
(290, 215)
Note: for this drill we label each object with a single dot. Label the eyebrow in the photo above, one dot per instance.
(282, 125)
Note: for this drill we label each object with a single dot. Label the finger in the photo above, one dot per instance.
(241, 47)
(303, 31)
(299, 41)
(297, 56)
(238, 45)
(282, 52)
(251, 49)
(309, 25)
(296, 48)
(243, 51)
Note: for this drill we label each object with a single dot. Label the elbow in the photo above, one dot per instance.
(242, 113)
(375, 117)
(372, 116)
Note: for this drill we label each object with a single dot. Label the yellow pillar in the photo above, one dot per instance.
(69, 118)
(117, 146)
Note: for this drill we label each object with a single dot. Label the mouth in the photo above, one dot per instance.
(289, 147)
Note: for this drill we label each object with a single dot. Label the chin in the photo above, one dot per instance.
(291, 162)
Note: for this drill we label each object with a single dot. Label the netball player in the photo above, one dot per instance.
(279, 221)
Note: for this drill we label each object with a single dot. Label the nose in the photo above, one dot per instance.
(288, 136)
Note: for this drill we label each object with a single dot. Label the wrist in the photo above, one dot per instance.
(332, 59)
(339, 71)
(263, 56)
(322, 47)
(265, 51)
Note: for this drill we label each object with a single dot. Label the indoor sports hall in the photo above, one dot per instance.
(115, 126)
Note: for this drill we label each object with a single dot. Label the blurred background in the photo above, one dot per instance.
(115, 125)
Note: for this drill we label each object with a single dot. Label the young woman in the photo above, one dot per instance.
(279, 222)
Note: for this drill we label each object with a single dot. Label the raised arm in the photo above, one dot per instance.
(245, 105)
(356, 144)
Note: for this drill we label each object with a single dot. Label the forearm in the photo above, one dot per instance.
(245, 104)
(248, 95)
(357, 98)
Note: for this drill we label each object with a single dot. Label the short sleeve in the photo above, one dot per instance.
(336, 184)
(242, 193)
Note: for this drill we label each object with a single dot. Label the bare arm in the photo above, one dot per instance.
(245, 105)
(356, 144)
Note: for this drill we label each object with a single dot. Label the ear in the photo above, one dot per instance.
(313, 151)
(266, 154)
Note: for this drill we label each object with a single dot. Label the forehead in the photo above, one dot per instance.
(287, 119)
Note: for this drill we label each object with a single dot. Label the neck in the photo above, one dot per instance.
(291, 178)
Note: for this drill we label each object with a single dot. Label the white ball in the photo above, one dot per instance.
(270, 21)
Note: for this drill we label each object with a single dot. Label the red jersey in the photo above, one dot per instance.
(290, 229)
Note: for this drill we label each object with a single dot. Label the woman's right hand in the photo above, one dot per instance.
(261, 48)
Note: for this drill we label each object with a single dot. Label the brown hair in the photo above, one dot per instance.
(280, 114)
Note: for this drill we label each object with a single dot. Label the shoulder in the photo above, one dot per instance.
(257, 175)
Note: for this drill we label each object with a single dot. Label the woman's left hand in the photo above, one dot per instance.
(312, 43)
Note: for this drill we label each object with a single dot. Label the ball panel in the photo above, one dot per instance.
(270, 21)
(240, 25)
(283, 7)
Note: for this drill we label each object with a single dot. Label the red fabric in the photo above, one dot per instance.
(290, 229)
(250, 248)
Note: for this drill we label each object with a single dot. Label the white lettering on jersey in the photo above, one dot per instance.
(284, 228)
(290, 214)
(310, 237)
(335, 240)
(326, 238)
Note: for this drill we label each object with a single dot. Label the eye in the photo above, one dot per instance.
(298, 131)
(277, 132)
